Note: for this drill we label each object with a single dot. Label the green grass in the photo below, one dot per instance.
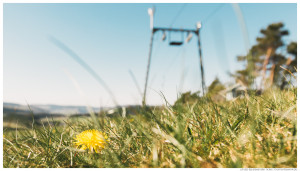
(255, 131)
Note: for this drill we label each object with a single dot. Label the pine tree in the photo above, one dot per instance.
(269, 43)
(291, 64)
(264, 57)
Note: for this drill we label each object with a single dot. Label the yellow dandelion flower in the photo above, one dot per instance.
(93, 140)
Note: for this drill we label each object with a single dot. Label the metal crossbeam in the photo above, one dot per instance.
(175, 30)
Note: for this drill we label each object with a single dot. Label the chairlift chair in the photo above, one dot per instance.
(176, 42)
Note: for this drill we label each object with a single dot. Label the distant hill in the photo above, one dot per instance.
(49, 109)
(21, 115)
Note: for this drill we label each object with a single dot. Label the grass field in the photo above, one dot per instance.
(254, 131)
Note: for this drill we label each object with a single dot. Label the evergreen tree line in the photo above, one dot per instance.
(269, 63)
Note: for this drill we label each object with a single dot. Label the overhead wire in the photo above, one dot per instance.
(213, 13)
(175, 18)
(206, 19)
(178, 14)
(173, 21)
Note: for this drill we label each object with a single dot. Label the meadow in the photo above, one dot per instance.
(254, 131)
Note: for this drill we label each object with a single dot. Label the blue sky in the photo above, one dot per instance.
(113, 39)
